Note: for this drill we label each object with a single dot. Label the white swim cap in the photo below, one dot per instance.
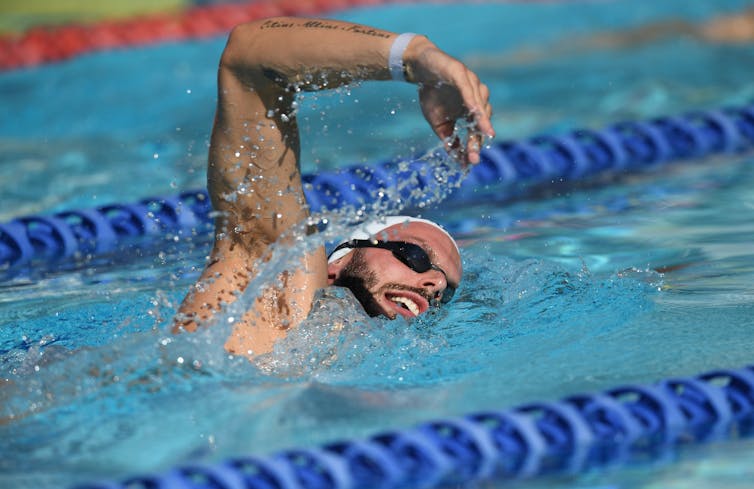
(372, 229)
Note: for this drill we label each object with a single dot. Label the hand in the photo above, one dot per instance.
(449, 91)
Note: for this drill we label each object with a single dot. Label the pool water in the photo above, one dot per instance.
(625, 279)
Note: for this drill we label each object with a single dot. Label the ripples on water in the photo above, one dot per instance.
(341, 372)
(577, 290)
(563, 299)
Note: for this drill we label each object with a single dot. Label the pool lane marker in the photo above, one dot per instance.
(506, 169)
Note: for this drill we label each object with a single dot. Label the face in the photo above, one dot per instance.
(386, 286)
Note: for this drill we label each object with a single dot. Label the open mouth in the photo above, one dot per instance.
(407, 304)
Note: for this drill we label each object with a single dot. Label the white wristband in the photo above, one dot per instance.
(395, 60)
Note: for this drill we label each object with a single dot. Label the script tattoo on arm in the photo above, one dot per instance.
(322, 25)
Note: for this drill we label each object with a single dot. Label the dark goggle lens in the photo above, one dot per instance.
(415, 258)
(410, 254)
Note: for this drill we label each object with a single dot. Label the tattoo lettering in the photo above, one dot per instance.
(322, 25)
(270, 24)
(318, 24)
(367, 31)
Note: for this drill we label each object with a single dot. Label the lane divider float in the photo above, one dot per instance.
(505, 167)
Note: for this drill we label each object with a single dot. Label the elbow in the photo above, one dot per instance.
(240, 49)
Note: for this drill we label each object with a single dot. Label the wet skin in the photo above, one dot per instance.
(386, 286)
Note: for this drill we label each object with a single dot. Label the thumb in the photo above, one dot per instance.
(444, 129)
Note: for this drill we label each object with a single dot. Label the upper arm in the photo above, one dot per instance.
(253, 171)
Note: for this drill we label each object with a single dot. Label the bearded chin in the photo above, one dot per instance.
(359, 279)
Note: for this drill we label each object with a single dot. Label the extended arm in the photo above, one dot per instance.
(253, 172)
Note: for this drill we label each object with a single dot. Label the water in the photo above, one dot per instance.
(583, 288)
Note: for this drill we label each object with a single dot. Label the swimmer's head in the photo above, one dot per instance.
(397, 265)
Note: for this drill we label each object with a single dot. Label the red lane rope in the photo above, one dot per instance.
(41, 45)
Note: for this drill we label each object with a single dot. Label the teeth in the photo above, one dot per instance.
(411, 305)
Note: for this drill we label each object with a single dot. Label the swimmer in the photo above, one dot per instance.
(395, 267)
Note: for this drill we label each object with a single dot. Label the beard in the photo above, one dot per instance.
(360, 279)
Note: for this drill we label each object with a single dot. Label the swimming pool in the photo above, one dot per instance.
(567, 277)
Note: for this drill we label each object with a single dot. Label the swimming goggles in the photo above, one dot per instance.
(410, 254)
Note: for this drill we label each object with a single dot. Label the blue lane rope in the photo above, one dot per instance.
(625, 146)
(563, 437)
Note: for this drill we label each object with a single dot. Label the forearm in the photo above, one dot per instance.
(314, 53)
(263, 66)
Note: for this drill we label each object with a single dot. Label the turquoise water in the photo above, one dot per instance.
(561, 293)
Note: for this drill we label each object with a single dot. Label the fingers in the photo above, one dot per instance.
(456, 92)
(467, 151)
(483, 113)
(473, 149)
(479, 116)
(475, 96)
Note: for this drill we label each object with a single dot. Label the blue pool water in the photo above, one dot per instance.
(572, 289)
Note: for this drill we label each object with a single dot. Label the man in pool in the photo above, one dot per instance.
(255, 184)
